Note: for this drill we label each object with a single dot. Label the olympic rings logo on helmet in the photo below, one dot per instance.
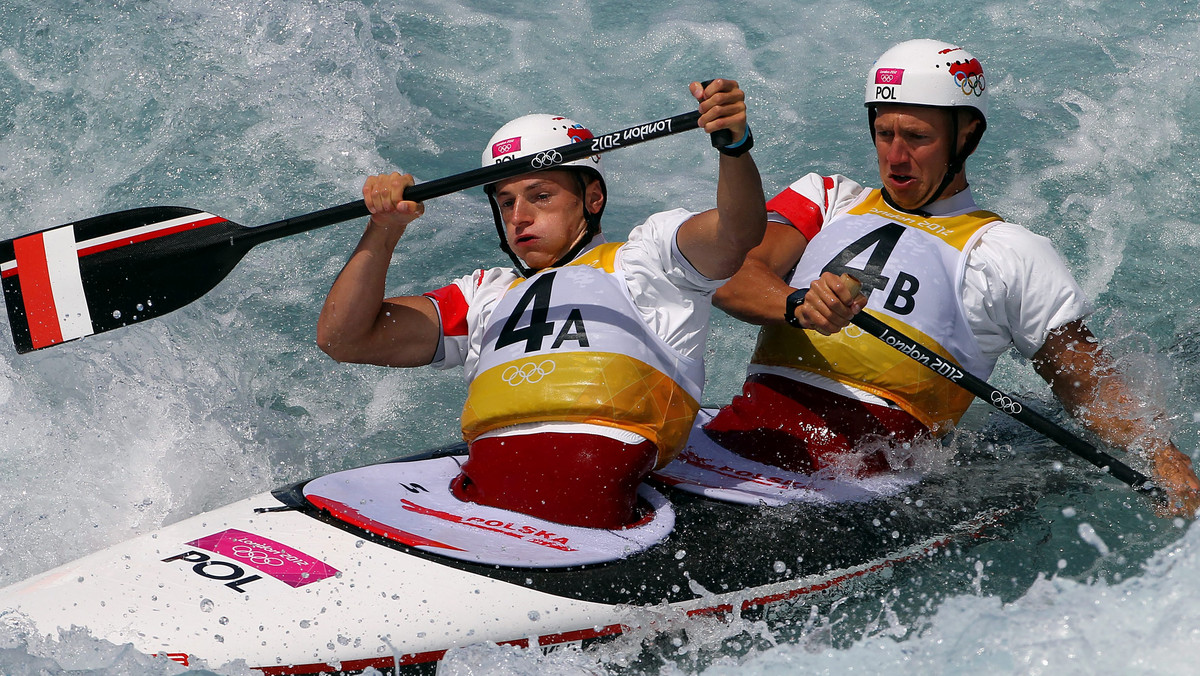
(256, 556)
(1006, 404)
(547, 158)
(529, 372)
(971, 84)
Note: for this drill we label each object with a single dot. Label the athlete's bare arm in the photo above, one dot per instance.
(715, 242)
(357, 323)
(757, 293)
(1083, 377)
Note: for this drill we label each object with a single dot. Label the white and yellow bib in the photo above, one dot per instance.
(569, 345)
(911, 268)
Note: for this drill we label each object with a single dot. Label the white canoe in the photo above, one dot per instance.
(380, 567)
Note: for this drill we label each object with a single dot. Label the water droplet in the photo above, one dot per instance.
(206, 605)
(535, 615)
(116, 314)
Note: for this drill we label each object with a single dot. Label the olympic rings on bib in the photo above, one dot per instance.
(528, 372)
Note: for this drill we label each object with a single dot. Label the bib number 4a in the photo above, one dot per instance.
(881, 242)
(539, 327)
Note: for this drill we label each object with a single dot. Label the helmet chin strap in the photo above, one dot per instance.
(590, 231)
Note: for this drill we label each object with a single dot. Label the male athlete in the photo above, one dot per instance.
(934, 266)
(585, 360)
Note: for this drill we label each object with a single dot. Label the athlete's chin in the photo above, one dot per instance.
(907, 195)
(536, 260)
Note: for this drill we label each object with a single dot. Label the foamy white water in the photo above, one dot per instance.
(266, 110)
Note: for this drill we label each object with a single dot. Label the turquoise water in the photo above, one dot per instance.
(259, 111)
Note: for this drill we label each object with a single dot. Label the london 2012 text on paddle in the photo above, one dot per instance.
(640, 132)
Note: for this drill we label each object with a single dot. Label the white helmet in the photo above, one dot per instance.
(928, 73)
(532, 134)
(936, 74)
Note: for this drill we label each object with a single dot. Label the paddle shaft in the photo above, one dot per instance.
(106, 272)
(1006, 403)
(482, 176)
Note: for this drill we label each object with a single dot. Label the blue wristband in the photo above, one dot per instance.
(741, 147)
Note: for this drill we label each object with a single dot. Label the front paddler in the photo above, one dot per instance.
(585, 360)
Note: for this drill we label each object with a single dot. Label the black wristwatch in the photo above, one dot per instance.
(794, 300)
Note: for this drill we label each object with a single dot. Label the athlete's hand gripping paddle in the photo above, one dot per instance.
(1002, 401)
(118, 269)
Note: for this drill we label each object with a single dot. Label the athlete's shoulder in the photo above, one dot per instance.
(480, 285)
(655, 237)
(824, 189)
(813, 200)
(1016, 256)
(1015, 239)
(660, 224)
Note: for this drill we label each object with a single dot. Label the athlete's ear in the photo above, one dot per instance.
(593, 196)
(970, 130)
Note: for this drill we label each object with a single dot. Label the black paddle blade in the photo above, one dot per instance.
(110, 271)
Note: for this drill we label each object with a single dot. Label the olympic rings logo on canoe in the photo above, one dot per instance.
(528, 372)
(548, 158)
(256, 556)
(1005, 403)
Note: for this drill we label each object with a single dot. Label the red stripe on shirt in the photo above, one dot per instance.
(452, 306)
(803, 213)
(36, 291)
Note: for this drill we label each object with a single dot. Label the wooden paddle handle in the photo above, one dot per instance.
(851, 283)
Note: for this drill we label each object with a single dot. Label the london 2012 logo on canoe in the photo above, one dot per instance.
(286, 564)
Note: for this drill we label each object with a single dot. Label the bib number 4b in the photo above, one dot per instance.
(881, 242)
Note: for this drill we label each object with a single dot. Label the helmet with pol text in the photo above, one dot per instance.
(928, 73)
(533, 134)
